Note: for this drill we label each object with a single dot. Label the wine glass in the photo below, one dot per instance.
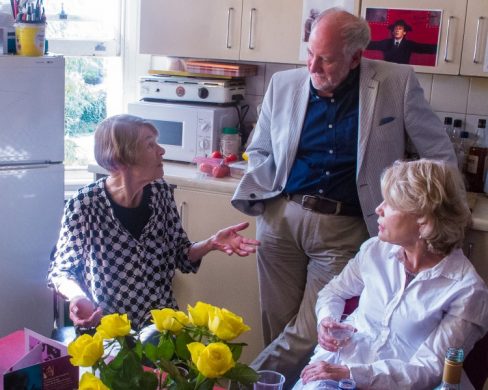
(341, 332)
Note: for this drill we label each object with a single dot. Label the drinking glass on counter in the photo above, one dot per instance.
(269, 380)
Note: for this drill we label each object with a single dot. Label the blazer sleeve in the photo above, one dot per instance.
(422, 125)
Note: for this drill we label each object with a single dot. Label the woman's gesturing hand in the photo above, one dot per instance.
(228, 240)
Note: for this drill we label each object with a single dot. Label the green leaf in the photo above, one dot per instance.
(242, 374)
(165, 348)
(182, 340)
(149, 381)
(151, 352)
(236, 349)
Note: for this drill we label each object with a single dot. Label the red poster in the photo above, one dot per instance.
(404, 36)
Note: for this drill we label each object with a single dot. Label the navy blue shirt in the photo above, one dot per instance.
(326, 158)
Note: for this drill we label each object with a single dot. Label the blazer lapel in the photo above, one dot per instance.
(368, 89)
(298, 110)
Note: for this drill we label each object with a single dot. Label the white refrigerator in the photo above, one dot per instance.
(31, 187)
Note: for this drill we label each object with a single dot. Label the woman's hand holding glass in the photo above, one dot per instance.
(334, 333)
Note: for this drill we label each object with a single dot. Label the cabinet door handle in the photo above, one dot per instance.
(475, 54)
(227, 39)
(251, 29)
(182, 206)
(447, 39)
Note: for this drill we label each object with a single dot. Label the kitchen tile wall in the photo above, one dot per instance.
(461, 97)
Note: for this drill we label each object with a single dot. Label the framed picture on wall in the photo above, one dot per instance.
(312, 9)
(404, 36)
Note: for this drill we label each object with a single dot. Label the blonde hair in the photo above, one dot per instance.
(435, 191)
(116, 140)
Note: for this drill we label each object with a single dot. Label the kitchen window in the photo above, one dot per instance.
(88, 34)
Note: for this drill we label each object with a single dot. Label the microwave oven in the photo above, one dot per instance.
(186, 130)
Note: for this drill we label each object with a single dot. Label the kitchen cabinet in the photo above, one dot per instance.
(248, 30)
(222, 280)
(451, 29)
(474, 52)
(271, 30)
(476, 240)
(191, 28)
(476, 249)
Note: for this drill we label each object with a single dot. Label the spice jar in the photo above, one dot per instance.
(230, 141)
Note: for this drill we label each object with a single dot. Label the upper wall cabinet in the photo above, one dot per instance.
(271, 30)
(434, 33)
(248, 30)
(191, 28)
(475, 39)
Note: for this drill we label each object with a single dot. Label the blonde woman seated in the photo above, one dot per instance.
(418, 293)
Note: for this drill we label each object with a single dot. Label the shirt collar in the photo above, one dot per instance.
(447, 267)
(351, 81)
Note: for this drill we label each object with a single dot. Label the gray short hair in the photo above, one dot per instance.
(116, 140)
(354, 30)
(434, 190)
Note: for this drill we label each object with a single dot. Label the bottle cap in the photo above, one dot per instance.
(458, 122)
(448, 120)
(229, 130)
(481, 123)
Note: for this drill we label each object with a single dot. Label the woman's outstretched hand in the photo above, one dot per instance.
(228, 240)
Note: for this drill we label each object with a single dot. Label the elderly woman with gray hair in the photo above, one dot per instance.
(418, 293)
(121, 239)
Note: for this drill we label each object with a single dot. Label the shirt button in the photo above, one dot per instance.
(327, 173)
(331, 151)
(331, 126)
(332, 100)
(321, 191)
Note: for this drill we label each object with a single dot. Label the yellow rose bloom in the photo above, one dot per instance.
(213, 360)
(114, 325)
(199, 314)
(86, 350)
(226, 325)
(169, 319)
(89, 381)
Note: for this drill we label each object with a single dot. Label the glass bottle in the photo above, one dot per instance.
(477, 160)
(453, 367)
(230, 141)
(448, 126)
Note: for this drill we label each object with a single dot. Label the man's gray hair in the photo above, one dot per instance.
(354, 30)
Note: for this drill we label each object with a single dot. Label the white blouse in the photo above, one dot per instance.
(404, 329)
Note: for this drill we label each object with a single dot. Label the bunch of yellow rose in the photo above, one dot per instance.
(194, 351)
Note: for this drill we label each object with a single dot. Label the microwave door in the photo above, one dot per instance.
(178, 137)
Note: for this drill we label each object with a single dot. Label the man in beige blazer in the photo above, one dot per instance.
(323, 138)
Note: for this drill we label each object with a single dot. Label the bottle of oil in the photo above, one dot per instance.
(453, 367)
(477, 160)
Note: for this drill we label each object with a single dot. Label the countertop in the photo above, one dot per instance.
(187, 175)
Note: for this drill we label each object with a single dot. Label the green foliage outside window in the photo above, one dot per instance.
(85, 104)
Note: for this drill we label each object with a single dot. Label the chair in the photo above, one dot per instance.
(63, 330)
(476, 362)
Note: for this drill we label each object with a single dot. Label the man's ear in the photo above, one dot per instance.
(356, 59)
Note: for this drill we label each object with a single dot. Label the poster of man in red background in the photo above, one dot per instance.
(404, 36)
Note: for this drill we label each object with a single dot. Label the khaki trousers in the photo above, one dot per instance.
(300, 252)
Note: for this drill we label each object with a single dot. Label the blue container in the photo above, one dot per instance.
(347, 384)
